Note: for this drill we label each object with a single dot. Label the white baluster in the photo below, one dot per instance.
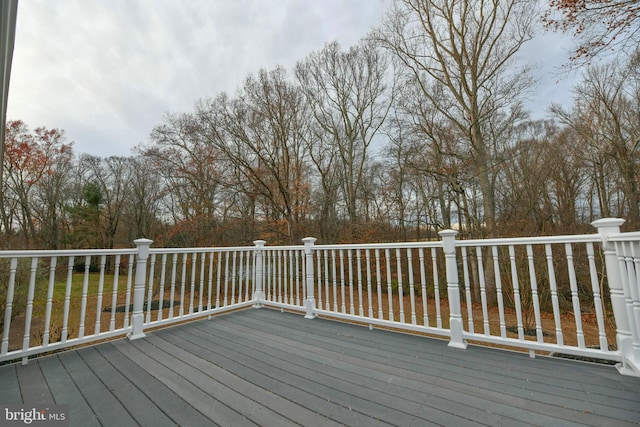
(516, 292)
(387, 255)
(412, 296)
(9, 305)
(498, 278)
(352, 309)
(359, 267)
(202, 265)
(225, 295)
(103, 262)
(436, 287)
(335, 280)
(47, 316)
(114, 293)
(183, 283)
(344, 303)
(483, 291)
(152, 268)
(326, 280)
(597, 298)
(423, 284)
(234, 274)
(379, 285)
(174, 268)
(192, 288)
(574, 295)
(83, 303)
(534, 294)
(163, 267)
(128, 296)
(29, 310)
(554, 294)
(247, 270)
(319, 278)
(369, 290)
(466, 288)
(400, 283)
(67, 300)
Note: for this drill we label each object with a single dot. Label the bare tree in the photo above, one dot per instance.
(145, 195)
(461, 55)
(53, 189)
(192, 176)
(350, 93)
(110, 177)
(605, 115)
(262, 134)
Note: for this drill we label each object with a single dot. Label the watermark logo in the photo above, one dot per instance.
(34, 415)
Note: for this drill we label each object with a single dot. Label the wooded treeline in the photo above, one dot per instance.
(419, 127)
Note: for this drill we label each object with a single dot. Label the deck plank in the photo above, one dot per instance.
(264, 367)
(164, 399)
(136, 403)
(199, 399)
(270, 379)
(106, 407)
(33, 387)
(10, 387)
(263, 397)
(65, 391)
(202, 379)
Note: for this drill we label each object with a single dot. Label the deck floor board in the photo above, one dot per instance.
(64, 390)
(9, 386)
(264, 367)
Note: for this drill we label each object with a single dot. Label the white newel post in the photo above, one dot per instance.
(258, 294)
(137, 316)
(453, 289)
(310, 302)
(624, 339)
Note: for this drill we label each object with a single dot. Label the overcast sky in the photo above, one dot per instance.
(106, 71)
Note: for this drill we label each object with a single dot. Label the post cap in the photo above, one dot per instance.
(140, 242)
(608, 222)
(448, 233)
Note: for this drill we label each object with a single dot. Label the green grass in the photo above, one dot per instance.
(77, 283)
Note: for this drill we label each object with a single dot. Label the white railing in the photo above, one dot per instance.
(196, 282)
(382, 284)
(58, 299)
(575, 295)
(543, 288)
(416, 286)
(284, 277)
(48, 303)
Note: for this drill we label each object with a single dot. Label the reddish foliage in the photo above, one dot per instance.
(597, 24)
(34, 155)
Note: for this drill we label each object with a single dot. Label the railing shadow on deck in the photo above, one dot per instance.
(575, 295)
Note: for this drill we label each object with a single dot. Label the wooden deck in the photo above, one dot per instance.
(264, 367)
